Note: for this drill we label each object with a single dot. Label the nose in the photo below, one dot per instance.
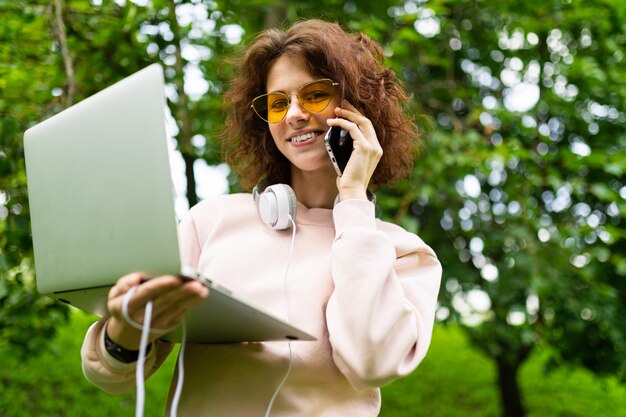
(295, 112)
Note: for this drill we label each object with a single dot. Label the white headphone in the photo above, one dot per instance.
(276, 204)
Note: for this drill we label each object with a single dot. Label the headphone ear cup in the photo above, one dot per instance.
(276, 204)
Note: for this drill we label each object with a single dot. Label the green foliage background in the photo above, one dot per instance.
(523, 204)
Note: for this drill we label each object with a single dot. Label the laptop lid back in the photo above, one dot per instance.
(92, 171)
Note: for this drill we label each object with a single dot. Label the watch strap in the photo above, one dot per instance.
(120, 353)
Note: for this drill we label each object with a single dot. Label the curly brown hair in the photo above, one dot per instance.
(352, 60)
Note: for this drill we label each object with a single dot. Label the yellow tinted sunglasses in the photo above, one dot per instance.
(314, 97)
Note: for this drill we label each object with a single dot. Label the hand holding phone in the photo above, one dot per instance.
(339, 145)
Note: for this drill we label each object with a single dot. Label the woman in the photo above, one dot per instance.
(366, 289)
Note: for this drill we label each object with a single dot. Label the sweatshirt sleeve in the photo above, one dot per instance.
(380, 316)
(110, 374)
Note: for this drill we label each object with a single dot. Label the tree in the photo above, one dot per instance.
(520, 189)
(27, 91)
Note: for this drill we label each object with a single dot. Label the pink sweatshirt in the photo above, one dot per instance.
(366, 289)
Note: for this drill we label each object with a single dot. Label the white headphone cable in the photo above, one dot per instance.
(143, 346)
(139, 374)
(285, 297)
(181, 372)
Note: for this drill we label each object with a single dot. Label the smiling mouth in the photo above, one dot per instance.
(306, 136)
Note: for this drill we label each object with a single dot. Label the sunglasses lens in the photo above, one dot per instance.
(277, 105)
(315, 96)
(271, 107)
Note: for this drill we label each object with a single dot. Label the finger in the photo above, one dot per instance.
(365, 140)
(345, 104)
(175, 312)
(349, 126)
(154, 288)
(362, 133)
(188, 294)
(150, 290)
(348, 111)
(342, 122)
(117, 292)
(125, 283)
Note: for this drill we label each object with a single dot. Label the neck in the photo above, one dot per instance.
(314, 190)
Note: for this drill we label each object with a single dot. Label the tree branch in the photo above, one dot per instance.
(61, 36)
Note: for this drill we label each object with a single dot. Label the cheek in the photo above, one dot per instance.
(329, 111)
(272, 129)
(275, 133)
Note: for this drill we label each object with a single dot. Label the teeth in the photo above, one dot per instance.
(301, 138)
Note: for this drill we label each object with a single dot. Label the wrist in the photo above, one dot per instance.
(121, 353)
(354, 194)
(123, 334)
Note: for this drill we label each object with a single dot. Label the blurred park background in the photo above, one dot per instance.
(520, 187)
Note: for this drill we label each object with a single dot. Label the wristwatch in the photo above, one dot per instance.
(122, 354)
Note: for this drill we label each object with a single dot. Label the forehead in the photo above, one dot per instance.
(288, 73)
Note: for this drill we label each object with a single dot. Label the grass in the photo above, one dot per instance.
(52, 384)
(453, 381)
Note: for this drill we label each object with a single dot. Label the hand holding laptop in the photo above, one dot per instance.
(172, 296)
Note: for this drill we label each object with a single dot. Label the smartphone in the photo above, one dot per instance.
(339, 147)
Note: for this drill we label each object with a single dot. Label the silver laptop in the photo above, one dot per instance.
(102, 205)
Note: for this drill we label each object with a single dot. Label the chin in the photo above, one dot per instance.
(324, 168)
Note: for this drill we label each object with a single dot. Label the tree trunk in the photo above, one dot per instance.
(192, 196)
(510, 394)
(181, 109)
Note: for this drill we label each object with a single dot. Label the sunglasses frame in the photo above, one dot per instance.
(333, 84)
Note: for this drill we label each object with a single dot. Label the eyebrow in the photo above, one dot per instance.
(297, 89)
